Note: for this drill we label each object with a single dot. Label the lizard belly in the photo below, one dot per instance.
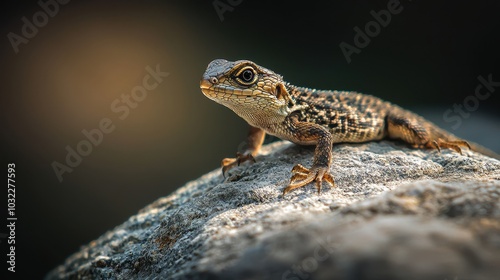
(357, 135)
(343, 130)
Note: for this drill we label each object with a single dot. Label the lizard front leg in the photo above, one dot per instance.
(312, 134)
(255, 139)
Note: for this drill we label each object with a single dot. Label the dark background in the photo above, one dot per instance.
(65, 78)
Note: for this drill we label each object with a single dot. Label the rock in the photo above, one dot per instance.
(395, 213)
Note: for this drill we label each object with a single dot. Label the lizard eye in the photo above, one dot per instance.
(246, 76)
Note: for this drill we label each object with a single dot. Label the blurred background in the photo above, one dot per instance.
(87, 54)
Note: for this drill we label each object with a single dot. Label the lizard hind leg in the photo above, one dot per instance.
(410, 131)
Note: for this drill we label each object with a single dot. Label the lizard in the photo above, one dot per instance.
(307, 116)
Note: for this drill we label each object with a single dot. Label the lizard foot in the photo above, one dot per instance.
(454, 145)
(305, 176)
(229, 163)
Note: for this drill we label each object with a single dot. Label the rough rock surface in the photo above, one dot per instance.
(395, 213)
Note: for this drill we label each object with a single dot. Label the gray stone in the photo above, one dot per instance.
(395, 213)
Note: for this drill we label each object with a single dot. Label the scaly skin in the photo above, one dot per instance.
(314, 117)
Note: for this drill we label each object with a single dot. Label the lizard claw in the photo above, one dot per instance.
(454, 145)
(229, 163)
(305, 176)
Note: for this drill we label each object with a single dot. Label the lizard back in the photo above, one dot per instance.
(349, 116)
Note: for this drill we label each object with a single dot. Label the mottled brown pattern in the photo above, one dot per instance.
(314, 117)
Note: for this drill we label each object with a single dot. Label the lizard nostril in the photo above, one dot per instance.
(214, 80)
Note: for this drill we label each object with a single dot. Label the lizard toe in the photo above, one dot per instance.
(454, 145)
(303, 176)
(229, 163)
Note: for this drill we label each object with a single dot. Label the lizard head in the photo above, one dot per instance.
(251, 91)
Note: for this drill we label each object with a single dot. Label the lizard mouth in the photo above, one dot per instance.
(207, 88)
(227, 92)
(205, 84)
(210, 89)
